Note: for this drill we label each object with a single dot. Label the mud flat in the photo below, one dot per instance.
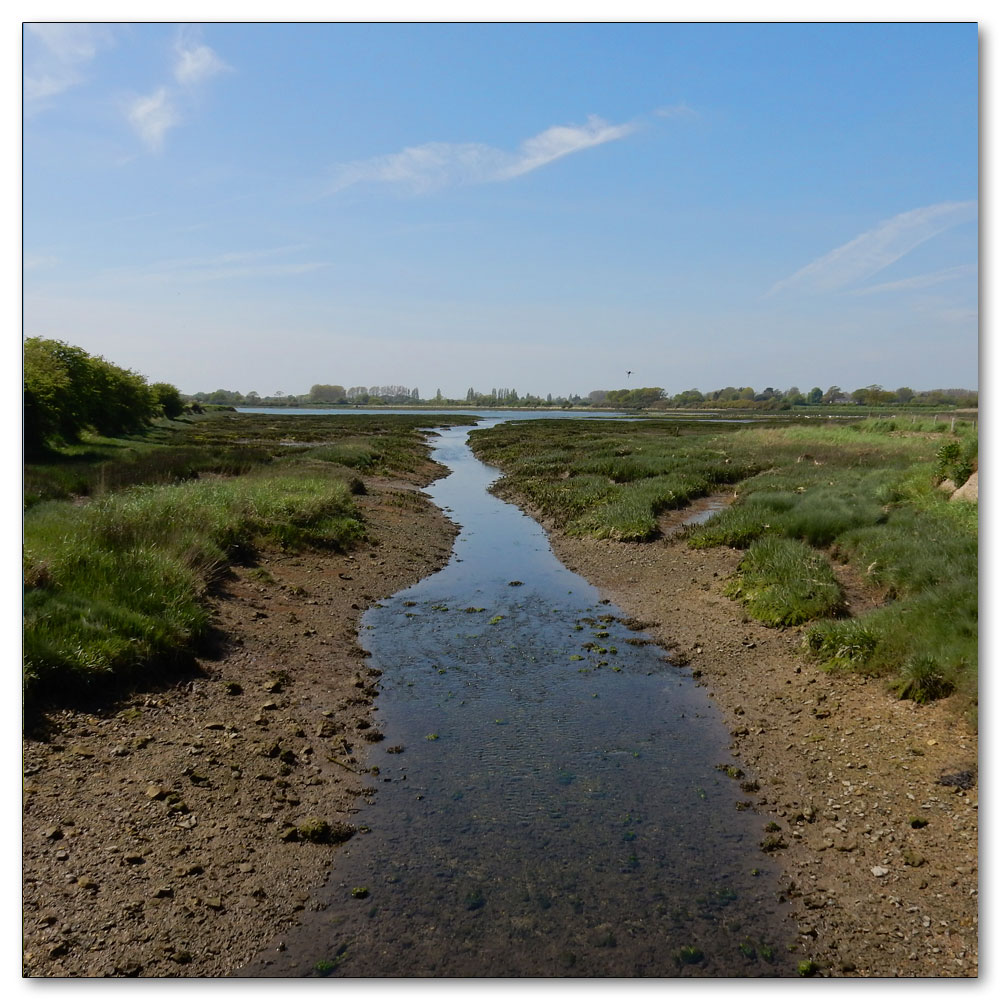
(876, 800)
(175, 832)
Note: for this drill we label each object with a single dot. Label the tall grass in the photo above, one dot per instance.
(114, 586)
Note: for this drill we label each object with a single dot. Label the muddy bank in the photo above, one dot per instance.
(174, 833)
(876, 800)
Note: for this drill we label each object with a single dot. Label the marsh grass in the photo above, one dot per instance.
(783, 581)
(861, 493)
(606, 479)
(118, 585)
(228, 444)
(120, 582)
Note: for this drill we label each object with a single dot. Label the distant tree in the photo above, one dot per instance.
(327, 394)
(904, 394)
(229, 397)
(834, 395)
(871, 395)
(815, 395)
(168, 399)
(688, 397)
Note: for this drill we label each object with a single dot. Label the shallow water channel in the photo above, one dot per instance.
(555, 808)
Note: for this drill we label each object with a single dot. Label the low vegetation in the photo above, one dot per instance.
(807, 495)
(117, 573)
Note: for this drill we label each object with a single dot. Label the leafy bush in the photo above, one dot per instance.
(67, 391)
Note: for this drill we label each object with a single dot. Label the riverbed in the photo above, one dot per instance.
(555, 796)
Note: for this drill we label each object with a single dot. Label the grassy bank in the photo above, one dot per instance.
(228, 444)
(117, 582)
(807, 496)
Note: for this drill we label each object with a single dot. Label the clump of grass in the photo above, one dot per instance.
(119, 584)
(782, 581)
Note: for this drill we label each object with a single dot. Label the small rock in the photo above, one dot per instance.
(879, 872)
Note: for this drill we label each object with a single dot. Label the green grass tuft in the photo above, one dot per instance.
(783, 581)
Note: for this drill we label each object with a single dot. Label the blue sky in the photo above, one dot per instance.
(537, 206)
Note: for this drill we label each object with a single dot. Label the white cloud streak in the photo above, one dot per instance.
(220, 267)
(151, 117)
(919, 281)
(876, 249)
(57, 57)
(676, 111)
(434, 165)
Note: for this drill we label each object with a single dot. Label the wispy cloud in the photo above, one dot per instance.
(39, 262)
(676, 111)
(255, 264)
(195, 63)
(437, 164)
(876, 249)
(152, 116)
(56, 58)
(919, 281)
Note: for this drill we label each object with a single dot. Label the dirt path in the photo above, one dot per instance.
(880, 854)
(160, 835)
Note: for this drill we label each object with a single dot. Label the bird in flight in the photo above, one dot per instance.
(627, 374)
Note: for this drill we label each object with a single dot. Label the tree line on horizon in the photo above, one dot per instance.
(646, 397)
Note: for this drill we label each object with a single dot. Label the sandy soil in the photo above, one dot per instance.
(876, 798)
(159, 834)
